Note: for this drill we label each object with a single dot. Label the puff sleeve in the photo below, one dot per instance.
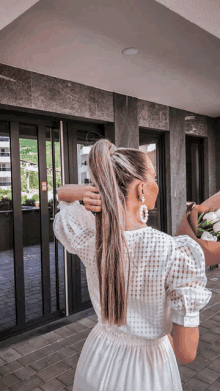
(74, 227)
(185, 282)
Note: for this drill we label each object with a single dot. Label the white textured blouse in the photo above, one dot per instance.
(167, 274)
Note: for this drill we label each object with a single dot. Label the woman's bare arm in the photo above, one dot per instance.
(86, 193)
(185, 342)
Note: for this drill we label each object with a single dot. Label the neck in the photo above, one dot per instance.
(132, 222)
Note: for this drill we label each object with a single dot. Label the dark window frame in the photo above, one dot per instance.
(160, 137)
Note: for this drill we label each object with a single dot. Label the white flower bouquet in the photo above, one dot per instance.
(202, 223)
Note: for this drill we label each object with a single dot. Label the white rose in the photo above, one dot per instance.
(208, 236)
(216, 227)
(211, 217)
(217, 213)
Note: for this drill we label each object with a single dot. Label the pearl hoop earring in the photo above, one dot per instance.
(143, 208)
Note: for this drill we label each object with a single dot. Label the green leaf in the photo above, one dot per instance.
(200, 217)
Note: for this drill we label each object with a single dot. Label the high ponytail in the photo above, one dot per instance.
(112, 170)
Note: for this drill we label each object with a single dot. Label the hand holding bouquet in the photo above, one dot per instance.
(202, 223)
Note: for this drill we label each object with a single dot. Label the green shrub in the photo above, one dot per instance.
(30, 202)
(23, 199)
(35, 197)
(5, 203)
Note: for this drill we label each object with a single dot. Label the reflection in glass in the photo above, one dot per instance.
(83, 178)
(7, 281)
(31, 221)
(55, 248)
(154, 215)
(59, 247)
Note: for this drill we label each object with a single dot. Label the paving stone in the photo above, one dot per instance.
(207, 375)
(78, 346)
(32, 357)
(69, 387)
(202, 345)
(27, 385)
(75, 338)
(9, 368)
(216, 330)
(215, 365)
(77, 327)
(9, 355)
(207, 313)
(52, 337)
(215, 346)
(3, 386)
(46, 362)
(216, 318)
(65, 332)
(72, 361)
(67, 377)
(2, 362)
(53, 371)
(53, 385)
(186, 373)
(10, 379)
(87, 322)
(209, 323)
(67, 352)
(93, 317)
(202, 330)
(215, 307)
(25, 373)
(210, 337)
(214, 386)
(196, 385)
(186, 388)
(210, 354)
(198, 364)
(31, 345)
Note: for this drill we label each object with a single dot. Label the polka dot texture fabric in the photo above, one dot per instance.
(167, 274)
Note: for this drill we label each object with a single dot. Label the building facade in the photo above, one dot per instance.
(49, 124)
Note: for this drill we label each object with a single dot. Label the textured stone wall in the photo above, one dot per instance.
(177, 166)
(152, 115)
(126, 121)
(217, 154)
(45, 93)
(197, 126)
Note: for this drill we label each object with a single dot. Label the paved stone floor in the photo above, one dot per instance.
(32, 283)
(46, 358)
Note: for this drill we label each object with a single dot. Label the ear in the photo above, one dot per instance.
(140, 190)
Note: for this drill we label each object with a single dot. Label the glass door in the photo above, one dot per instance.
(31, 262)
(195, 169)
(153, 146)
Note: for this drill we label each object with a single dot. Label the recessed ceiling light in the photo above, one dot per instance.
(190, 117)
(130, 51)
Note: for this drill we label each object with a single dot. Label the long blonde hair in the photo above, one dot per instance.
(112, 170)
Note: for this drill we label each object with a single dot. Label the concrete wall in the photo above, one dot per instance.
(217, 146)
(122, 116)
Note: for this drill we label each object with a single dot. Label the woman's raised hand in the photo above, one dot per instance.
(92, 200)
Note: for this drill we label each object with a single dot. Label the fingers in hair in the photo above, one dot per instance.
(94, 201)
(92, 195)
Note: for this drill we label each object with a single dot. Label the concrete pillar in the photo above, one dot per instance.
(177, 167)
(126, 121)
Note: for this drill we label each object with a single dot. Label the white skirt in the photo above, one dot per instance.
(113, 362)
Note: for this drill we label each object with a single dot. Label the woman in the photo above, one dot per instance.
(143, 283)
